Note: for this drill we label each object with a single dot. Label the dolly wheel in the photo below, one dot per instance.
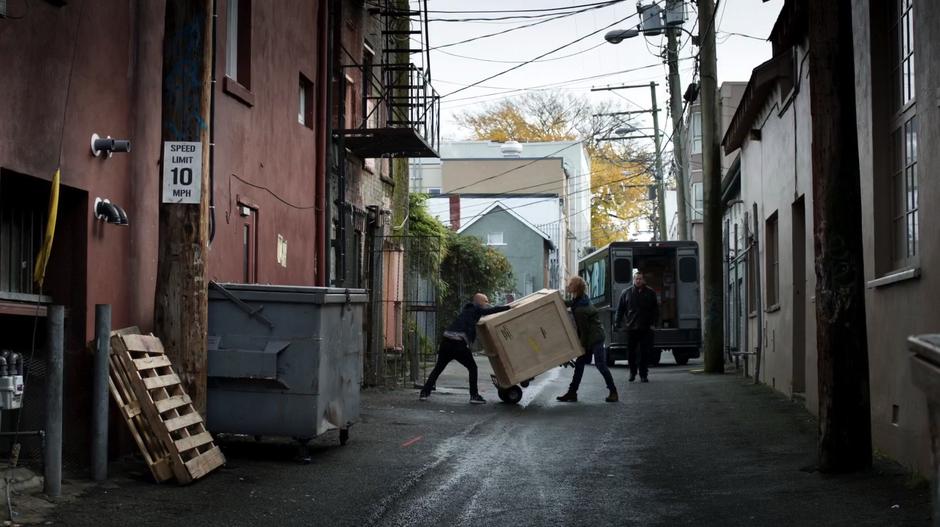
(343, 436)
(510, 395)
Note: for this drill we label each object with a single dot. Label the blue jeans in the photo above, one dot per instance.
(600, 362)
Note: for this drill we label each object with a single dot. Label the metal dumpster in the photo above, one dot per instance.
(284, 360)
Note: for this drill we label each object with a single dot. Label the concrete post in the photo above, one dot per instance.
(55, 343)
(99, 413)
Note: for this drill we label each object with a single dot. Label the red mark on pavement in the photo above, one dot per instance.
(412, 441)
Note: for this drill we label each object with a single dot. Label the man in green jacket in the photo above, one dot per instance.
(591, 334)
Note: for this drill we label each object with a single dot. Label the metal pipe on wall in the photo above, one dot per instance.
(321, 173)
(99, 414)
(55, 343)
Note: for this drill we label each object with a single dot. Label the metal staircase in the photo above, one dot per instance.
(401, 111)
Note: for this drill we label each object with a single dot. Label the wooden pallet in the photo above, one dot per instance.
(169, 431)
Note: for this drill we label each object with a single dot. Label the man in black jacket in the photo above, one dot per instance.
(640, 309)
(456, 342)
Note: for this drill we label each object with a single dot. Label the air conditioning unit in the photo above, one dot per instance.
(676, 13)
(651, 19)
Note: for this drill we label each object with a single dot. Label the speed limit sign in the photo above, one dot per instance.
(182, 171)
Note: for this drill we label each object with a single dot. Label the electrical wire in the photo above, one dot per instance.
(521, 61)
(559, 48)
(524, 26)
(542, 9)
(269, 191)
(512, 91)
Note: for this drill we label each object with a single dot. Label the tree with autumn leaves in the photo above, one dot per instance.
(620, 173)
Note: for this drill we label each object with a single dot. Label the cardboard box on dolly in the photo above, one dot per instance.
(536, 335)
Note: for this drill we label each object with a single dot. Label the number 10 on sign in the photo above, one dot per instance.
(182, 171)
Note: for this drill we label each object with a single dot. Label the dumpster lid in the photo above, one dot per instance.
(289, 293)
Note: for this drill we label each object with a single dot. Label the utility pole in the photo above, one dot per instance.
(841, 337)
(678, 143)
(657, 138)
(180, 311)
(660, 179)
(711, 173)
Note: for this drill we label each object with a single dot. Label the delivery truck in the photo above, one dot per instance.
(672, 271)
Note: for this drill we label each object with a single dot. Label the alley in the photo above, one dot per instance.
(685, 449)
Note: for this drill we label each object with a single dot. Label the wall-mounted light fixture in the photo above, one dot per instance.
(110, 213)
(106, 146)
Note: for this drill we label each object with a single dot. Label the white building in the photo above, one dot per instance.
(504, 169)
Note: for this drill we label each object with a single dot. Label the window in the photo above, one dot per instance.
(305, 102)
(688, 269)
(903, 140)
(597, 280)
(698, 202)
(494, 238)
(623, 271)
(696, 133)
(772, 261)
(238, 42)
(434, 191)
(369, 100)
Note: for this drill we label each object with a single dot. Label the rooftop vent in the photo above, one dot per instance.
(511, 149)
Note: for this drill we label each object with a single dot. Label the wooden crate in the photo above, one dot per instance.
(169, 431)
(536, 335)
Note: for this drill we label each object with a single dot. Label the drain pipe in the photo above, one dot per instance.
(55, 342)
(212, 83)
(99, 414)
(324, 140)
(759, 349)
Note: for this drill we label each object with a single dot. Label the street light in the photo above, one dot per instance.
(616, 36)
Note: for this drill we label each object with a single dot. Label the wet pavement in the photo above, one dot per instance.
(684, 449)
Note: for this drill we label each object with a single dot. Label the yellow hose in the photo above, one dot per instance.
(42, 259)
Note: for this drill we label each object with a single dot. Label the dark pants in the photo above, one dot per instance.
(600, 362)
(453, 350)
(639, 349)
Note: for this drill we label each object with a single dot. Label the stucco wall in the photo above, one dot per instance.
(775, 172)
(904, 308)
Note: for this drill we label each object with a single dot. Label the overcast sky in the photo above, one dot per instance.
(737, 55)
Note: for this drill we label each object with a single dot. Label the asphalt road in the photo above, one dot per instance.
(684, 449)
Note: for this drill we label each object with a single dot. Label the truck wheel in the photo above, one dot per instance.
(681, 357)
(510, 395)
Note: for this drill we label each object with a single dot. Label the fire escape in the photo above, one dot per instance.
(400, 113)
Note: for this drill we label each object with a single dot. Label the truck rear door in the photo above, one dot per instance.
(687, 290)
(621, 279)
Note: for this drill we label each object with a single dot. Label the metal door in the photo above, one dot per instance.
(688, 289)
(621, 278)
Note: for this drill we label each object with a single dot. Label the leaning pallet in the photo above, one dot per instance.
(169, 431)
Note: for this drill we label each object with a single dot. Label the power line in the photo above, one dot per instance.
(559, 48)
(520, 61)
(524, 26)
(543, 9)
(510, 91)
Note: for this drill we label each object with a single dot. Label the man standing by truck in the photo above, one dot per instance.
(639, 309)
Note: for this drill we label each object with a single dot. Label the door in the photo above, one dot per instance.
(621, 279)
(798, 252)
(249, 227)
(687, 289)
